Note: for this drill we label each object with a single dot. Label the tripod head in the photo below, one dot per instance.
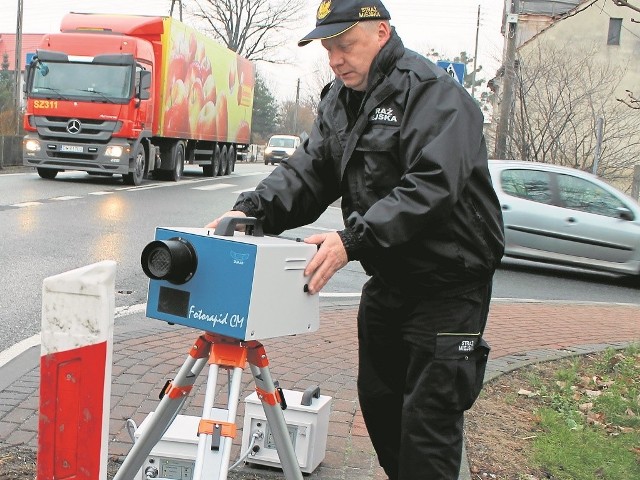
(242, 285)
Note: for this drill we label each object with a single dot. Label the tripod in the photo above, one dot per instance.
(216, 434)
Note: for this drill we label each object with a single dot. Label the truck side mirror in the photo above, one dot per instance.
(144, 85)
(27, 70)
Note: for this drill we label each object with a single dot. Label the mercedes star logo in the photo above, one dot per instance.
(74, 126)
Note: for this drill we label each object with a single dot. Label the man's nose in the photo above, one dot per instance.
(335, 60)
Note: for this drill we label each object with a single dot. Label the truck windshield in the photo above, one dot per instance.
(78, 81)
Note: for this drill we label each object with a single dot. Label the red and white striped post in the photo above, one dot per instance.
(75, 373)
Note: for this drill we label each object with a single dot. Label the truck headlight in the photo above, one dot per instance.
(114, 151)
(32, 145)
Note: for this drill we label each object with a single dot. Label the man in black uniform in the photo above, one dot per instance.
(401, 143)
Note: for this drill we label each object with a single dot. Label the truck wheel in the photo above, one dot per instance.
(177, 156)
(139, 165)
(48, 173)
(213, 170)
(224, 161)
(231, 160)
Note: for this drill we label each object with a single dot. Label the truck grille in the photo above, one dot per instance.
(75, 130)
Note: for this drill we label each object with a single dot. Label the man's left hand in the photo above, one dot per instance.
(330, 258)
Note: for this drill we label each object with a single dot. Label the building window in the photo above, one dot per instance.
(615, 25)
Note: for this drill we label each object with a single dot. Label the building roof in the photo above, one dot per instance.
(30, 41)
(548, 7)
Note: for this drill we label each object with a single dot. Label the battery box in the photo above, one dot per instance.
(307, 419)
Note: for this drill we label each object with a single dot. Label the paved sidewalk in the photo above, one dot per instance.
(147, 352)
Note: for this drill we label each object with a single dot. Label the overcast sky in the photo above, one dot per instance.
(449, 27)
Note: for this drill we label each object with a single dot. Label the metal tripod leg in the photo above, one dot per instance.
(270, 399)
(169, 406)
(217, 426)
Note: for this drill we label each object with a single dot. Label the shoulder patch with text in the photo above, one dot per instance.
(385, 116)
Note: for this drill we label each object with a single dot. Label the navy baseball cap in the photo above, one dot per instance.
(338, 16)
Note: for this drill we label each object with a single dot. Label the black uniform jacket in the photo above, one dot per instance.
(409, 162)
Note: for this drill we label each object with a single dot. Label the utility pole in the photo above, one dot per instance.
(295, 112)
(475, 57)
(17, 93)
(596, 159)
(173, 2)
(507, 85)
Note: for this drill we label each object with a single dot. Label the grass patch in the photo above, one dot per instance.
(589, 418)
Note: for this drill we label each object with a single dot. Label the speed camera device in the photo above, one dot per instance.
(242, 285)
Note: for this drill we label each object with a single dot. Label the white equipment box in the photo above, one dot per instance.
(174, 456)
(307, 418)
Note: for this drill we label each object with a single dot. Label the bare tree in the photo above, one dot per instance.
(253, 28)
(560, 94)
(296, 119)
(320, 75)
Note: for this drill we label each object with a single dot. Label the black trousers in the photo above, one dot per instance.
(421, 365)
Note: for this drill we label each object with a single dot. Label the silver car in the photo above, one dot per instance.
(565, 216)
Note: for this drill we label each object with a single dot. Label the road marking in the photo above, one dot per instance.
(339, 295)
(26, 204)
(215, 186)
(15, 350)
(101, 193)
(322, 229)
(66, 197)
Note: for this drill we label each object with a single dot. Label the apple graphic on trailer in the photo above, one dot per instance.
(206, 124)
(222, 117)
(177, 114)
(193, 47)
(196, 101)
(242, 135)
(209, 89)
(177, 68)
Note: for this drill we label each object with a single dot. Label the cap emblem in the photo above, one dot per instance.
(369, 12)
(324, 9)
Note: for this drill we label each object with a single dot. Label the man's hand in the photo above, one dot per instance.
(330, 258)
(230, 213)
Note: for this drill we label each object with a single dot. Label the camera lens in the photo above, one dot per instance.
(160, 261)
(173, 260)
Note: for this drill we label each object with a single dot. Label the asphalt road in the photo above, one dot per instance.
(49, 227)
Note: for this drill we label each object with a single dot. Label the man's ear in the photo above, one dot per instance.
(384, 33)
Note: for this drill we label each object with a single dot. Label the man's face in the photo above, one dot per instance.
(351, 53)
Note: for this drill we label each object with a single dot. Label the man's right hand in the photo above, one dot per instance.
(230, 213)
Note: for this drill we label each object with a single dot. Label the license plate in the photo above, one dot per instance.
(71, 148)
